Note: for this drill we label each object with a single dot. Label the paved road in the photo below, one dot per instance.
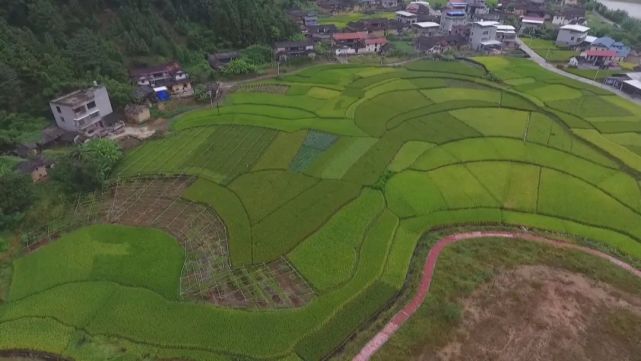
(428, 271)
(539, 60)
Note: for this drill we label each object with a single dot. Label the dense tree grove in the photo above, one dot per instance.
(51, 46)
(88, 166)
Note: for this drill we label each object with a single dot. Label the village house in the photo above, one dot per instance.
(506, 34)
(389, 4)
(357, 43)
(170, 76)
(37, 169)
(516, 8)
(600, 58)
(608, 44)
(483, 35)
(439, 44)
(27, 150)
(331, 6)
(137, 114)
(374, 27)
(629, 83)
(537, 11)
(419, 8)
(374, 45)
(286, 50)
(531, 24)
(572, 35)
(297, 17)
(454, 15)
(82, 111)
(406, 18)
(348, 43)
(477, 8)
(569, 15)
(427, 28)
(461, 30)
(218, 61)
(321, 32)
(368, 3)
(310, 20)
(54, 136)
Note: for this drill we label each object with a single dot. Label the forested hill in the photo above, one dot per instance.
(49, 46)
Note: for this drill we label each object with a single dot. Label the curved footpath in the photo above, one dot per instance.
(428, 271)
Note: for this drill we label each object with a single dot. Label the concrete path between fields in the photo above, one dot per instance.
(430, 265)
(541, 61)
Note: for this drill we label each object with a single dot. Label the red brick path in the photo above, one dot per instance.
(428, 271)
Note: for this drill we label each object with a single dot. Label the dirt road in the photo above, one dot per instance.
(430, 265)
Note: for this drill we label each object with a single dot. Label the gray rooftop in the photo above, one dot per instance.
(77, 97)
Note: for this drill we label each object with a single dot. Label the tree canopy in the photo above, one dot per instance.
(16, 196)
(48, 47)
(88, 166)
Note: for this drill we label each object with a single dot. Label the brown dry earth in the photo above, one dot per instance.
(540, 313)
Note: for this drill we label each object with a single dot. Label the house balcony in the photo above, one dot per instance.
(88, 118)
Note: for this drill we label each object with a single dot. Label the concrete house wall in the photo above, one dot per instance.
(482, 32)
(73, 113)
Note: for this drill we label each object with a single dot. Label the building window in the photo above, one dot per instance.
(91, 105)
(62, 119)
(58, 109)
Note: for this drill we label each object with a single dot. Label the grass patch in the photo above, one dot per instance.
(130, 256)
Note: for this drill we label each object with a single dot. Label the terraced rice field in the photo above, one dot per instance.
(305, 206)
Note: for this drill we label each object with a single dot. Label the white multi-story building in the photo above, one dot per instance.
(406, 17)
(507, 35)
(82, 110)
(572, 35)
(483, 33)
(427, 28)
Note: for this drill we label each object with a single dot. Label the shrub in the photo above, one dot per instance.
(239, 67)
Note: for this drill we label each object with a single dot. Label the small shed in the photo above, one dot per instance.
(137, 113)
(38, 169)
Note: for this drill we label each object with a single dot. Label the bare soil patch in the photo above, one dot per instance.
(542, 313)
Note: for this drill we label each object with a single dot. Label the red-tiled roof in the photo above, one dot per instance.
(350, 36)
(381, 41)
(602, 53)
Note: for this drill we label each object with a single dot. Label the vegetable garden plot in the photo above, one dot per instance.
(207, 274)
(313, 147)
(264, 88)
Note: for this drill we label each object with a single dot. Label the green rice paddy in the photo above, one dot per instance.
(340, 177)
